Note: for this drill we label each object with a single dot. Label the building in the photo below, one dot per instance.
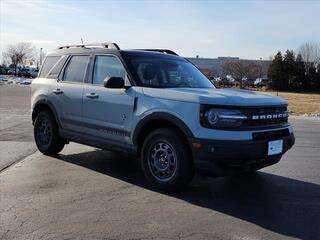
(212, 67)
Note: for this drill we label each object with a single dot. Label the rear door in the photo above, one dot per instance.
(67, 92)
(107, 113)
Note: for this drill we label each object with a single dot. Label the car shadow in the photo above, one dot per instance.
(280, 204)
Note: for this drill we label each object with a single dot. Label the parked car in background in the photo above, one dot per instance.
(24, 72)
(34, 72)
(11, 71)
(248, 82)
(2, 70)
(261, 82)
(216, 81)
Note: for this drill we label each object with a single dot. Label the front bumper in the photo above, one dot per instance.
(221, 157)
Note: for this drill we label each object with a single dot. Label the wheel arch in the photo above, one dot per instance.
(42, 105)
(155, 121)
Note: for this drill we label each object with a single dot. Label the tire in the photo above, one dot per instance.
(166, 160)
(46, 134)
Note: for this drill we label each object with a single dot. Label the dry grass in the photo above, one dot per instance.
(301, 103)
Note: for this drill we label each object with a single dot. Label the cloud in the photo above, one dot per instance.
(40, 41)
(37, 5)
(250, 29)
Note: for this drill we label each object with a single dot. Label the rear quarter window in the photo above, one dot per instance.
(55, 71)
(49, 62)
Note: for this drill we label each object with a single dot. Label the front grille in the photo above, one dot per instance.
(257, 117)
(265, 116)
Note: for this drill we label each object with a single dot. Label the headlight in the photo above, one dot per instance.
(223, 118)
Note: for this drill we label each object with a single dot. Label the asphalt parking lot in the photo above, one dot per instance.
(87, 193)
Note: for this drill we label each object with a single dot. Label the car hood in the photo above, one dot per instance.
(220, 96)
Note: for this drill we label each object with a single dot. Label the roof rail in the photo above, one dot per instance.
(103, 45)
(167, 51)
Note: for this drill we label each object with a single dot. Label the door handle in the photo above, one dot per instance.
(57, 91)
(92, 95)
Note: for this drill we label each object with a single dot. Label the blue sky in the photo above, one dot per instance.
(247, 29)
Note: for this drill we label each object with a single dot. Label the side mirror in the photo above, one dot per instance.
(114, 82)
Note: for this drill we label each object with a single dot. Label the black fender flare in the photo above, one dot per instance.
(44, 101)
(161, 116)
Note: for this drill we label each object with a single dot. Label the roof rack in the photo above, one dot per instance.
(102, 45)
(167, 51)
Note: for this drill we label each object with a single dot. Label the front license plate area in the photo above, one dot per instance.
(275, 147)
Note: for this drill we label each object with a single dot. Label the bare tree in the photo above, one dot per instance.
(39, 57)
(310, 53)
(18, 53)
(241, 69)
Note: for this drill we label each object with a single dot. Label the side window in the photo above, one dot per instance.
(76, 69)
(47, 65)
(54, 72)
(107, 66)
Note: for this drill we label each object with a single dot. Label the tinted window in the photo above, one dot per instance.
(76, 69)
(107, 66)
(166, 73)
(47, 65)
(54, 73)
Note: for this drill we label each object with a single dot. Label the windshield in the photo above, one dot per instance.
(166, 73)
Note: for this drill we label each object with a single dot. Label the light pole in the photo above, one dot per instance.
(40, 56)
(260, 68)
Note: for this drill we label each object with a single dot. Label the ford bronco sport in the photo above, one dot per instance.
(159, 107)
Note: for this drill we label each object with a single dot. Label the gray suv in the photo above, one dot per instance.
(157, 106)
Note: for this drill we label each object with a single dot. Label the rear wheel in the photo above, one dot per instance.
(46, 134)
(166, 160)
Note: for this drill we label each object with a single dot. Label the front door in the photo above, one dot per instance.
(107, 113)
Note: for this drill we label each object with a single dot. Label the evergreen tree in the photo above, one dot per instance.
(300, 71)
(275, 71)
(312, 77)
(289, 70)
(317, 85)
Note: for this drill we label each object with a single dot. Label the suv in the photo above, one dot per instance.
(159, 107)
(24, 72)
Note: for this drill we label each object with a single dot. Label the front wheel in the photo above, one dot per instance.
(166, 160)
(46, 134)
